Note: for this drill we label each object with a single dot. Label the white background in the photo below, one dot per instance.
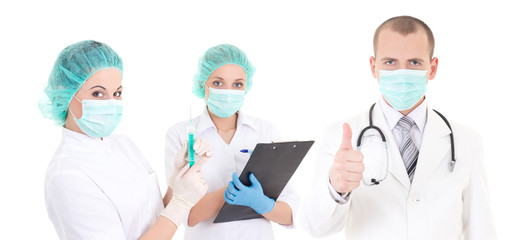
(312, 70)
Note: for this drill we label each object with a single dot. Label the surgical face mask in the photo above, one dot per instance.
(100, 117)
(225, 102)
(402, 88)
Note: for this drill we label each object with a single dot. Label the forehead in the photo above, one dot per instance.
(229, 71)
(395, 45)
(106, 77)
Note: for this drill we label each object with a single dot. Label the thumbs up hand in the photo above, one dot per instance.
(347, 169)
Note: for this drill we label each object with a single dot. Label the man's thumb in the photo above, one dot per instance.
(347, 138)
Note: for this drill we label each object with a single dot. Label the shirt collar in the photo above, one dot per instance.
(206, 123)
(79, 136)
(419, 114)
(83, 142)
(244, 119)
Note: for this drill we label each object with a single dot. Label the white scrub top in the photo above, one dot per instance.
(101, 189)
(227, 159)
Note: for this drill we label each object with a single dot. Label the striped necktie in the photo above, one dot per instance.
(408, 150)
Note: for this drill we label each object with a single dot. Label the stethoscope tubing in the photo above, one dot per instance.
(371, 126)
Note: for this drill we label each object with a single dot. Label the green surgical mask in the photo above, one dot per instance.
(225, 102)
(402, 88)
(100, 117)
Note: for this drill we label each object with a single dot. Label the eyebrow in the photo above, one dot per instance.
(119, 88)
(387, 58)
(416, 59)
(411, 59)
(239, 79)
(98, 86)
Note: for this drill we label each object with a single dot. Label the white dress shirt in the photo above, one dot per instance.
(101, 189)
(227, 159)
(418, 115)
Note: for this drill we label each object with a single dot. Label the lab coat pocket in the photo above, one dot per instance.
(375, 158)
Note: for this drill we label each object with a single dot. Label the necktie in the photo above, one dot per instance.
(408, 150)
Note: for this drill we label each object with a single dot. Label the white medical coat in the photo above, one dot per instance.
(439, 204)
(101, 189)
(227, 159)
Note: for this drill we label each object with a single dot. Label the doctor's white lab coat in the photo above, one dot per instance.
(101, 189)
(439, 204)
(227, 159)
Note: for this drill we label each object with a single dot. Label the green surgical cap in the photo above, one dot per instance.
(74, 65)
(216, 57)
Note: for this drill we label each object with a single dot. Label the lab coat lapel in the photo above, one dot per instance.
(435, 147)
(396, 165)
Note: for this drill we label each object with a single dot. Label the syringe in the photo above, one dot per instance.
(191, 133)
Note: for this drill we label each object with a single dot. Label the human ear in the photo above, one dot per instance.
(373, 68)
(433, 68)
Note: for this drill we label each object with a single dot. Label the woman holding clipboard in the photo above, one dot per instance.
(223, 77)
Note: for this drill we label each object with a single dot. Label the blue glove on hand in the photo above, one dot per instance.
(253, 196)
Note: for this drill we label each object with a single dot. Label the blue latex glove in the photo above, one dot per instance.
(253, 196)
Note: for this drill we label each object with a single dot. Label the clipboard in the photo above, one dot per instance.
(273, 165)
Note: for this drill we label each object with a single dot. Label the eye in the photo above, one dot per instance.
(97, 94)
(238, 85)
(217, 83)
(415, 63)
(117, 94)
(390, 62)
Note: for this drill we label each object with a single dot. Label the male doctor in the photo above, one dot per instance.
(422, 195)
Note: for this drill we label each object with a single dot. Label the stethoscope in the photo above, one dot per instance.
(382, 136)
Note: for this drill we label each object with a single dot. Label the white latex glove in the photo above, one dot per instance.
(189, 188)
(201, 149)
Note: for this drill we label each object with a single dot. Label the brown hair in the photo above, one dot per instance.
(405, 25)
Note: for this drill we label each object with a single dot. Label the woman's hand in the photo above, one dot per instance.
(189, 187)
(201, 148)
(253, 196)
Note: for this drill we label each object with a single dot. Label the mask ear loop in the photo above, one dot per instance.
(75, 119)
(209, 92)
